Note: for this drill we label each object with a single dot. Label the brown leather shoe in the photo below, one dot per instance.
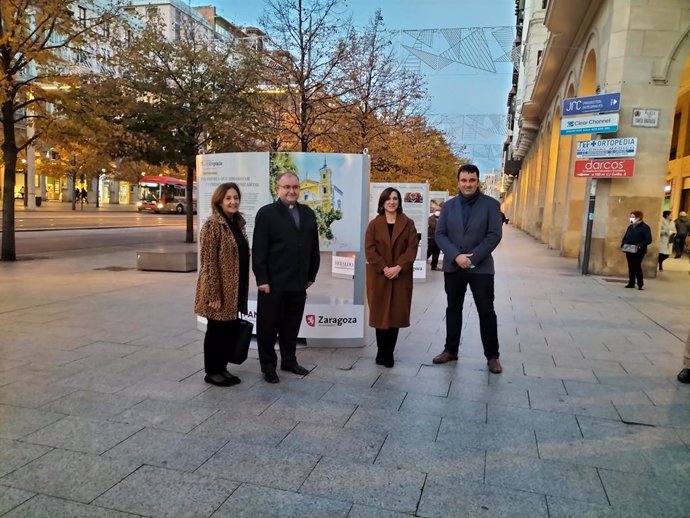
(445, 357)
(495, 366)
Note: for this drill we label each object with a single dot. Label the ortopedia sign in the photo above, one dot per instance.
(591, 124)
(611, 168)
(607, 148)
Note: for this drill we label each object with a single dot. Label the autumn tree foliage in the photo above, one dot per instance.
(40, 42)
(171, 100)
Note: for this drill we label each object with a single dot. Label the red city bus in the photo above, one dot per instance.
(164, 194)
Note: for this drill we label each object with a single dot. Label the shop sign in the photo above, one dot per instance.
(590, 124)
(611, 168)
(607, 148)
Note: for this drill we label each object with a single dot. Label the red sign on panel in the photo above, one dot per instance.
(608, 168)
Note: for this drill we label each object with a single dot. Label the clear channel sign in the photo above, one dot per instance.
(607, 123)
(607, 148)
(608, 168)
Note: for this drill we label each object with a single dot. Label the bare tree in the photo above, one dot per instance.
(381, 92)
(308, 38)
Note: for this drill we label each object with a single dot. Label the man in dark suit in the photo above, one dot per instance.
(285, 260)
(468, 230)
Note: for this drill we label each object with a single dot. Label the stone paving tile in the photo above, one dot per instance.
(11, 498)
(445, 407)
(617, 454)
(404, 425)
(82, 434)
(87, 403)
(592, 406)
(109, 348)
(98, 381)
(466, 464)
(512, 439)
(510, 396)
(565, 508)
(250, 500)
(554, 386)
(551, 425)
(31, 395)
(14, 454)
(544, 476)
(71, 475)
(364, 511)
(646, 493)
(669, 397)
(561, 373)
(393, 489)
(174, 417)
(265, 430)
(16, 422)
(42, 506)
(318, 412)
(672, 462)
(365, 396)
(292, 387)
(163, 390)
(415, 385)
(240, 402)
(266, 465)
(357, 375)
(166, 449)
(153, 491)
(672, 415)
(444, 496)
(354, 445)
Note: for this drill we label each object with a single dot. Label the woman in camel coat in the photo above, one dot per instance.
(223, 285)
(390, 245)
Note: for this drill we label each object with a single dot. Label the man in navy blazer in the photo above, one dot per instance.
(468, 231)
(285, 260)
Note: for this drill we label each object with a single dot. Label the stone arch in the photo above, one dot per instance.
(668, 70)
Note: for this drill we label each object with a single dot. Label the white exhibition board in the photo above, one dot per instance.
(415, 205)
(333, 186)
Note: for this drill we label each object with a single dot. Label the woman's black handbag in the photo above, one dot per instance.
(239, 342)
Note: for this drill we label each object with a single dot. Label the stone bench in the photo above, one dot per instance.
(167, 260)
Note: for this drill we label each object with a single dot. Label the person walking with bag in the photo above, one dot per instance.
(634, 243)
(390, 247)
(223, 284)
(667, 235)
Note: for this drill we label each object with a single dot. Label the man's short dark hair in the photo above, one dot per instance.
(468, 168)
(666, 213)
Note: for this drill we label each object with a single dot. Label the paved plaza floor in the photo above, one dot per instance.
(104, 411)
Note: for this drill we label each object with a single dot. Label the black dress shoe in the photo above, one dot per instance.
(684, 376)
(640, 288)
(271, 377)
(219, 380)
(235, 380)
(295, 368)
(629, 285)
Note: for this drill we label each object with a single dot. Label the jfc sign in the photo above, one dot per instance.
(604, 103)
(610, 168)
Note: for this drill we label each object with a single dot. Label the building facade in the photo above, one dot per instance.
(639, 49)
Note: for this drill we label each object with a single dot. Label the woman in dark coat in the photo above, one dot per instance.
(634, 243)
(223, 285)
(390, 246)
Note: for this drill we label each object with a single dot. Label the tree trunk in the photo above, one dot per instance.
(190, 204)
(74, 190)
(9, 151)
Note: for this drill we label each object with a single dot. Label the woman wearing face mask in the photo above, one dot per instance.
(634, 243)
(223, 285)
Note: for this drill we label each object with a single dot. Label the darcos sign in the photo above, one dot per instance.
(610, 168)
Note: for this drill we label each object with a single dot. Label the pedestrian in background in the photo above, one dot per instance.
(682, 232)
(468, 231)
(637, 237)
(432, 249)
(684, 374)
(390, 247)
(285, 260)
(222, 288)
(666, 236)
